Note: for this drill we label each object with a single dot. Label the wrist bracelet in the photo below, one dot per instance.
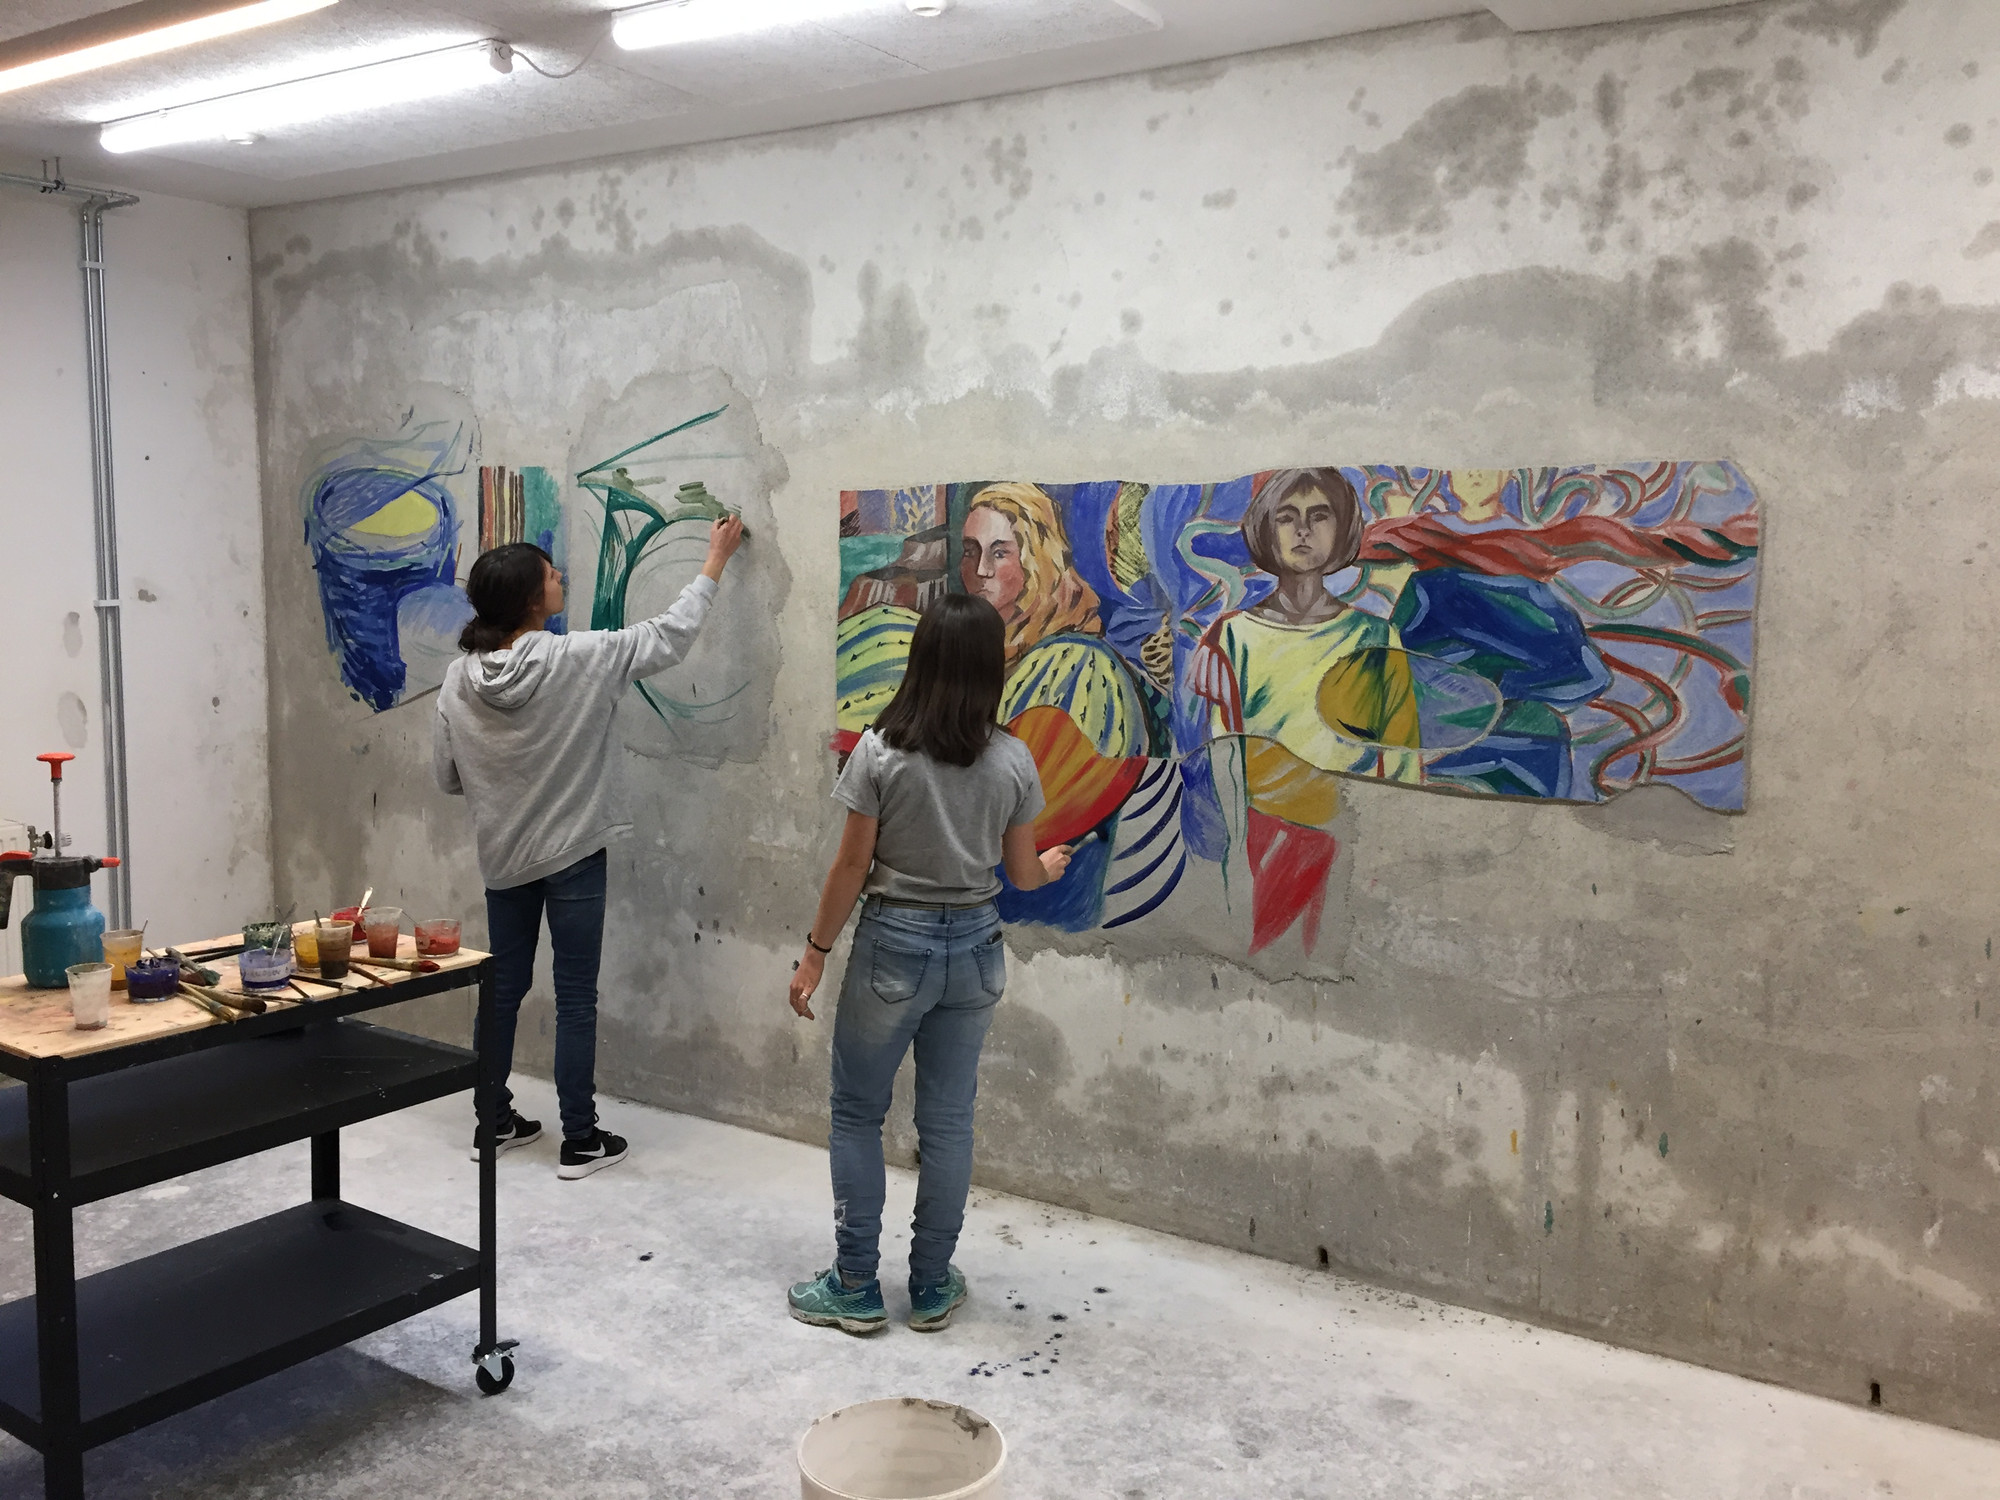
(815, 946)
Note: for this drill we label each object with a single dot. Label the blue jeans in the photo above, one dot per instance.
(932, 977)
(574, 900)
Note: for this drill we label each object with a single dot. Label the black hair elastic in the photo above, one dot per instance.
(815, 946)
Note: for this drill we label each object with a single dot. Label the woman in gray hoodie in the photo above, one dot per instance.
(524, 734)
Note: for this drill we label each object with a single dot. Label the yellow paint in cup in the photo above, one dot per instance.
(121, 947)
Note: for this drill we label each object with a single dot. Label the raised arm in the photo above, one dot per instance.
(843, 885)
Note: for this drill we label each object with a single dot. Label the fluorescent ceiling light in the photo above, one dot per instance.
(704, 20)
(235, 116)
(134, 31)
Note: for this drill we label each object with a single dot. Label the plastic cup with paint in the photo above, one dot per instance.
(121, 947)
(334, 941)
(305, 944)
(437, 937)
(90, 995)
(382, 925)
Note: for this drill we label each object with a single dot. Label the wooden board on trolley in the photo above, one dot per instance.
(36, 1023)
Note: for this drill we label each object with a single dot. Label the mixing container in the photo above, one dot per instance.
(904, 1448)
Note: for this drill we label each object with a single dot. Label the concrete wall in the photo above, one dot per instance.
(190, 553)
(1723, 1088)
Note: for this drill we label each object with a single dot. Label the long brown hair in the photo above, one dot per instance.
(948, 703)
(1055, 598)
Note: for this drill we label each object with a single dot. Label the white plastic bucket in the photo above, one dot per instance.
(903, 1448)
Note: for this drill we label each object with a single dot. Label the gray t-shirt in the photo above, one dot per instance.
(940, 826)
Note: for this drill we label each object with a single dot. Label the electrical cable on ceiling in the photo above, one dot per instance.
(602, 38)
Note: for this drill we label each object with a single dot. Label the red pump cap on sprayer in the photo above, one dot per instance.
(55, 760)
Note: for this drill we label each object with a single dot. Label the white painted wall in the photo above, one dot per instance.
(190, 548)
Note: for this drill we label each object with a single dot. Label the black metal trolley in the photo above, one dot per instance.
(83, 1362)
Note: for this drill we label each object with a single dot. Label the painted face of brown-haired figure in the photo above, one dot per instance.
(1016, 557)
(1303, 525)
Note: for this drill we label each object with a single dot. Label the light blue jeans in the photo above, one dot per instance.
(928, 976)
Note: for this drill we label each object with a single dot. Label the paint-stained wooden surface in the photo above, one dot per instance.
(36, 1023)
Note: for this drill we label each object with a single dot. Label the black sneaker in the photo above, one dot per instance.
(596, 1151)
(518, 1132)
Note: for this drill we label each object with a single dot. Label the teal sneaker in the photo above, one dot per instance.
(825, 1302)
(931, 1307)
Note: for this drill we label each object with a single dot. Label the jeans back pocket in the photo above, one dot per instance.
(991, 957)
(895, 974)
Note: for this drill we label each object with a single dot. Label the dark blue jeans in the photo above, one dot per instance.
(927, 979)
(574, 900)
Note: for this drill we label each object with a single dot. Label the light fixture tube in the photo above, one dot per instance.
(704, 20)
(134, 31)
(424, 75)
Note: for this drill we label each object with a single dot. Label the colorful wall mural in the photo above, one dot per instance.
(1197, 666)
(383, 527)
(635, 528)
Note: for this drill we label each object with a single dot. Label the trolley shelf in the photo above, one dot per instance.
(159, 1335)
(162, 1119)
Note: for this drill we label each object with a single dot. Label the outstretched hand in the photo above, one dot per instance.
(724, 537)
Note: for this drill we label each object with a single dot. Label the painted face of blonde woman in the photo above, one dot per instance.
(991, 565)
(1302, 527)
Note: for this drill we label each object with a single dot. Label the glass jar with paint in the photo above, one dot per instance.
(437, 937)
(262, 969)
(305, 943)
(275, 936)
(382, 926)
(153, 979)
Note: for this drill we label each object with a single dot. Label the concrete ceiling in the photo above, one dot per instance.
(878, 60)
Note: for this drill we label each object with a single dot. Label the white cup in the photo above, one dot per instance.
(90, 995)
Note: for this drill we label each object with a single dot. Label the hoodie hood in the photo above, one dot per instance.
(508, 678)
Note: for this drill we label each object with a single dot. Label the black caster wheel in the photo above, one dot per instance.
(494, 1370)
(490, 1385)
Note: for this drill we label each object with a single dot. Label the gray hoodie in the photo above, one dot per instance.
(524, 734)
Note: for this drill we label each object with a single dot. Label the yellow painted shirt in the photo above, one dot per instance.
(1337, 695)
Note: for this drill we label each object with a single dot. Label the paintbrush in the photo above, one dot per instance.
(407, 965)
(210, 1003)
(234, 999)
(191, 969)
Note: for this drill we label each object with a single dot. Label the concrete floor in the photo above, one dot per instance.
(657, 1359)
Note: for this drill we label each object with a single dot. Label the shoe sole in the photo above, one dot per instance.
(859, 1327)
(511, 1143)
(571, 1171)
(941, 1321)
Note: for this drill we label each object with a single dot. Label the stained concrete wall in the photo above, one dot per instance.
(1719, 1087)
(190, 536)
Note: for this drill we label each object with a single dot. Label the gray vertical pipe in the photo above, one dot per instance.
(110, 622)
(110, 608)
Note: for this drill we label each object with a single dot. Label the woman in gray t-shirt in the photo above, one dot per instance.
(937, 794)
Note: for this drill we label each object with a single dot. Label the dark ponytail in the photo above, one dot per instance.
(504, 586)
(948, 702)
